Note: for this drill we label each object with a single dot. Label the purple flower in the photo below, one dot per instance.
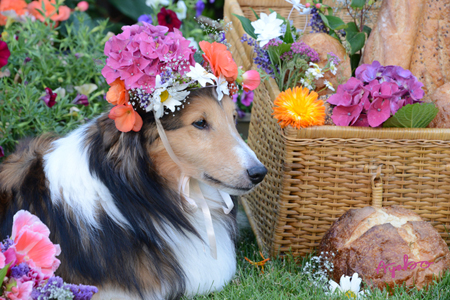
(367, 73)
(305, 51)
(2, 153)
(82, 292)
(49, 98)
(235, 97)
(348, 94)
(81, 99)
(262, 59)
(241, 113)
(145, 18)
(247, 98)
(316, 22)
(199, 7)
(57, 286)
(334, 58)
(20, 270)
(27, 59)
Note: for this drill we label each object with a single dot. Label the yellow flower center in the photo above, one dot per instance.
(164, 96)
(350, 295)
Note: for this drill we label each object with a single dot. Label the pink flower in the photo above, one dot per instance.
(20, 292)
(379, 111)
(251, 80)
(346, 115)
(83, 6)
(2, 260)
(32, 243)
(362, 121)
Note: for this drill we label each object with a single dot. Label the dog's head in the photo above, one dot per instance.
(204, 137)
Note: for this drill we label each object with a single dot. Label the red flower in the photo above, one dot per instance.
(49, 98)
(167, 17)
(4, 54)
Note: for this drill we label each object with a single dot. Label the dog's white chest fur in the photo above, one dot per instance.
(204, 273)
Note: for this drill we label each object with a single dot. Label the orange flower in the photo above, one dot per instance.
(50, 11)
(299, 108)
(117, 94)
(126, 118)
(19, 6)
(220, 60)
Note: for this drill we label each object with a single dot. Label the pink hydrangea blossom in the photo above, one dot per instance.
(140, 53)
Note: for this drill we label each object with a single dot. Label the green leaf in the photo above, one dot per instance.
(3, 272)
(358, 3)
(417, 115)
(254, 12)
(132, 8)
(351, 27)
(198, 57)
(330, 10)
(354, 62)
(367, 30)
(356, 41)
(283, 48)
(324, 19)
(336, 23)
(288, 39)
(247, 25)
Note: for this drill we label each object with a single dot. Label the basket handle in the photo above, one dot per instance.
(377, 189)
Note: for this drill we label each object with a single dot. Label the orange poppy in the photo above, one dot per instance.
(19, 6)
(117, 94)
(220, 60)
(50, 10)
(126, 118)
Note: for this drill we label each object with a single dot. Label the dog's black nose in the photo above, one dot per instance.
(257, 174)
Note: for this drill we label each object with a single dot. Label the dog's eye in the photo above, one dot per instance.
(200, 124)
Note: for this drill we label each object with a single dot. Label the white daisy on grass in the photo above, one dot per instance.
(267, 27)
(349, 286)
(167, 95)
(329, 85)
(199, 74)
(222, 87)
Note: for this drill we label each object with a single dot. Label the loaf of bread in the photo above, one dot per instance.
(430, 61)
(394, 35)
(386, 246)
(440, 98)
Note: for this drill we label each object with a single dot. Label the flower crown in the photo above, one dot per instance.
(153, 69)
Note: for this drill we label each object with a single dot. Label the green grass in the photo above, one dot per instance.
(283, 279)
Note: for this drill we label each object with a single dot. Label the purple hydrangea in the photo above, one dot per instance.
(374, 95)
(145, 18)
(20, 270)
(306, 51)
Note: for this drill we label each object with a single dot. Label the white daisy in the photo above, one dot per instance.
(349, 287)
(333, 68)
(267, 27)
(199, 74)
(314, 71)
(154, 3)
(307, 83)
(167, 95)
(329, 85)
(222, 87)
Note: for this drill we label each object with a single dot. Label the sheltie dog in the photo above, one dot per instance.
(111, 200)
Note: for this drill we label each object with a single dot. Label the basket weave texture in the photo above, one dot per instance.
(316, 174)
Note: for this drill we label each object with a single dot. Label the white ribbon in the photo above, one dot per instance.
(184, 189)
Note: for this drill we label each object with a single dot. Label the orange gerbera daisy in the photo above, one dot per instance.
(19, 6)
(299, 108)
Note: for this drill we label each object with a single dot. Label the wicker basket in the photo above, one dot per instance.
(316, 174)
